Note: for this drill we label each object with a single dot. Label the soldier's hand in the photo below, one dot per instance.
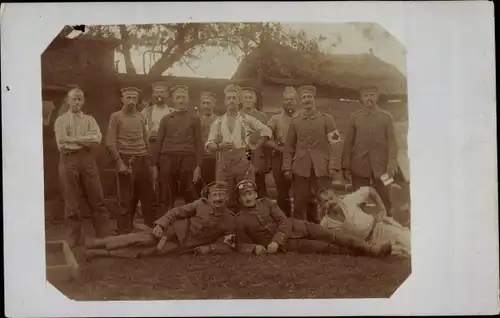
(347, 174)
(121, 167)
(202, 250)
(272, 247)
(288, 175)
(69, 140)
(196, 175)
(259, 249)
(334, 174)
(158, 231)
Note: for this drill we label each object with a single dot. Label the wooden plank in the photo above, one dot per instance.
(61, 272)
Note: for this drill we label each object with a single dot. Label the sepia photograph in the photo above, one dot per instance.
(249, 159)
(226, 160)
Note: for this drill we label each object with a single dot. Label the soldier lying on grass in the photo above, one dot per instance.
(348, 216)
(261, 227)
(203, 226)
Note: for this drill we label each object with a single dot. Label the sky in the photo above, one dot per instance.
(221, 65)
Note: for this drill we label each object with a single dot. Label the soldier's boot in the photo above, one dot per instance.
(92, 243)
(73, 231)
(90, 254)
(381, 250)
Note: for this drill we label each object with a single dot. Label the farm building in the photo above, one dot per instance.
(89, 64)
(337, 79)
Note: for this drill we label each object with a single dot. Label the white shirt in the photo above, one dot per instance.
(76, 125)
(356, 221)
(157, 114)
(244, 126)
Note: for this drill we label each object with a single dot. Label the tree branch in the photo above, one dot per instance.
(126, 47)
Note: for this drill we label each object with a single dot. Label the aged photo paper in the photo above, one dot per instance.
(259, 159)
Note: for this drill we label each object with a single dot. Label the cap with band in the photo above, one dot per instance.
(130, 91)
(306, 88)
(160, 85)
(232, 88)
(207, 95)
(180, 89)
(246, 184)
(214, 186)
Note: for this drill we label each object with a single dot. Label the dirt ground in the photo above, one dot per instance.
(237, 276)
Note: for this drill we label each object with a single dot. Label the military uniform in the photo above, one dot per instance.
(265, 223)
(153, 115)
(311, 152)
(234, 165)
(279, 125)
(185, 228)
(127, 140)
(370, 150)
(79, 174)
(208, 167)
(178, 151)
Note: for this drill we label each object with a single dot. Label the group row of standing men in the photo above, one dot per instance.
(163, 152)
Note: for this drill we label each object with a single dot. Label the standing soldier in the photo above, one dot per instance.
(261, 158)
(153, 114)
(311, 154)
(76, 133)
(279, 125)
(229, 138)
(178, 154)
(370, 149)
(127, 140)
(207, 116)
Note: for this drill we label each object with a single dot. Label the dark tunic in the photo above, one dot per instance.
(179, 134)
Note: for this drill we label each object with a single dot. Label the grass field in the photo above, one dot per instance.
(236, 276)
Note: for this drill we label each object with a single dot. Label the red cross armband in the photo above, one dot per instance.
(333, 137)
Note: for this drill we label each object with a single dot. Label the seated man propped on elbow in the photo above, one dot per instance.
(261, 227)
(203, 226)
(347, 215)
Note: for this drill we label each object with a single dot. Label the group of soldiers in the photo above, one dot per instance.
(165, 152)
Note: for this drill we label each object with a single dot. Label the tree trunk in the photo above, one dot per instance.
(129, 66)
(169, 58)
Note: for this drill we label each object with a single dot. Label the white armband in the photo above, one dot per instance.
(333, 137)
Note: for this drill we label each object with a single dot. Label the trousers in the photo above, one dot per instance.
(283, 185)
(207, 173)
(135, 186)
(79, 176)
(310, 237)
(303, 189)
(232, 166)
(177, 178)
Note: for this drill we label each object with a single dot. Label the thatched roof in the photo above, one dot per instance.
(338, 74)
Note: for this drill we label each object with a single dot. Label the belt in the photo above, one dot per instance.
(73, 152)
(234, 149)
(129, 155)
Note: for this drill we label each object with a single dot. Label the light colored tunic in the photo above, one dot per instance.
(360, 224)
(240, 137)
